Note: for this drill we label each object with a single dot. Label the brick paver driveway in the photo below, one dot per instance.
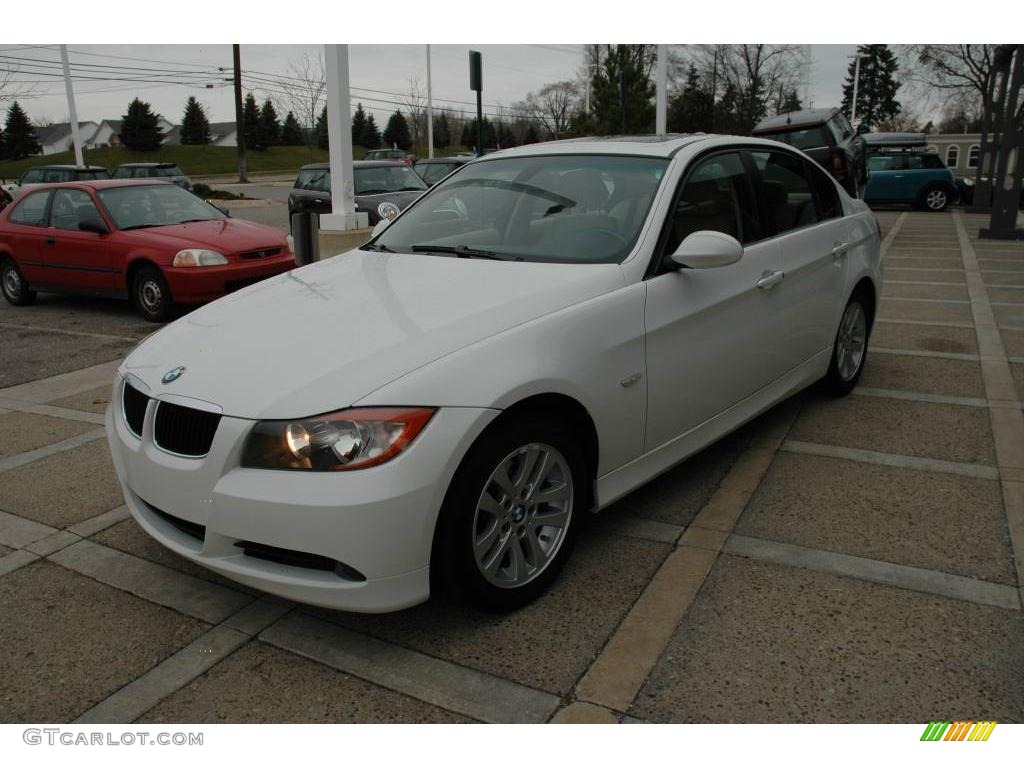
(838, 560)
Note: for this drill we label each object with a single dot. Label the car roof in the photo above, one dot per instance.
(146, 165)
(663, 145)
(355, 164)
(100, 184)
(795, 119)
(57, 167)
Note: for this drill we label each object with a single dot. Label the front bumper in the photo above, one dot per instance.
(377, 523)
(201, 284)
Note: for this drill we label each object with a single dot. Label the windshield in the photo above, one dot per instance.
(386, 178)
(166, 171)
(157, 205)
(805, 138)
(584, 209)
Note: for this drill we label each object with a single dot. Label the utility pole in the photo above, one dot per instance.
(622, 88)
(430, 109)
(239, 123)
(856, 82)
(72, 112)
(476, 83)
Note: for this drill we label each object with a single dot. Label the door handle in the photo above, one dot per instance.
(770, 279)
(51, 241)
(840, 250)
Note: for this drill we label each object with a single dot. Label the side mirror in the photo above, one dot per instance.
(707, 249)
(94, 225)
(380, 226)
(222, 209)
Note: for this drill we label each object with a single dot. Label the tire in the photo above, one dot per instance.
(493, 549)
(151, 295)
(15, 288)
(935, 199)
(849, 350)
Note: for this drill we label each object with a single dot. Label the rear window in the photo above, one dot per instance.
(166, 171)
(803, 138)
(92, 175)
(121, 173)
(314, 180)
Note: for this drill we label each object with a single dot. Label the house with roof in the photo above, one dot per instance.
(223, 134)
(56, 137)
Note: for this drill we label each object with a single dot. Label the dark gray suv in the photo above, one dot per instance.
(827, 136)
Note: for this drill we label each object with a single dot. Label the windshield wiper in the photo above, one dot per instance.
(190, 221)
(378, 247)
(141, 226)
(372, 192)
(465, 252)
(412, 189)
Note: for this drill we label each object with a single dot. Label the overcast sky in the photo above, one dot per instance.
(378, 72)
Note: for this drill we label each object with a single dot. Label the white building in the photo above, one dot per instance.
(959, 151)
(56, 137)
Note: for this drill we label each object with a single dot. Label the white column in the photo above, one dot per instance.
(343, 213)
(430, 109)
(72, 112)
(661, 119)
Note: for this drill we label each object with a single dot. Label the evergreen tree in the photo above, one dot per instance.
(371, 134)
(291, 132)
(270, 126)
(320, 131)
(251, 126)
(876, 90)
(19, 135)
(359, 125)
(140, 128)
(396, 132)
(790, 102)
(503, 136)
(692, 109)
(727, 112)
(442, 132)
(195, 128)
(622, 92)
(531, 136)
(469, 134)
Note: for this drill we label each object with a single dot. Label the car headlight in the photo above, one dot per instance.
(354, 438)
(199, 257)
(388, 211)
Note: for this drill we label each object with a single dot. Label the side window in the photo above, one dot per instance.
(35, 176)
(786, 192)
(825, 193)
(53, 176)
(716, 195)
(31, 211)
(932, 161)
(70, 206)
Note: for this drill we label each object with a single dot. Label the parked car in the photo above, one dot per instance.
(55, 174)
(390, 154)
(383, 189)
(151, 242)
(901, 171)
(827, 136)
(539, 334)
(434, 169)
(168, 171)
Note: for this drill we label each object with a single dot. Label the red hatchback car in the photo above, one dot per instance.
(148, 240)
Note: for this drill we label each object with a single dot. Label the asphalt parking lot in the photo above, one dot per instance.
(854, 560)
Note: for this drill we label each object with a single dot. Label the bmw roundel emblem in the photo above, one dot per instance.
(173, 375)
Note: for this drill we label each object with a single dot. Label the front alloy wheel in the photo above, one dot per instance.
(522, 515)
(509, 519)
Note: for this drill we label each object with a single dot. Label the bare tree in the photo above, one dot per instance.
(12, 89)
(553, 106)
(307, 92)
(756, 74)
(415, 103)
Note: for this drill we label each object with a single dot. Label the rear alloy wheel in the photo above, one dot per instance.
(15, 289)
(850, 350)
(936, 199)
(151, 295)
(508, 526)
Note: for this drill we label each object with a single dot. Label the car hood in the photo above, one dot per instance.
(324, 336)
(224, 235)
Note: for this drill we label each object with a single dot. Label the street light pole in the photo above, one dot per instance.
(430, 109)
(661, 113)
(72, 112)
(856, 83)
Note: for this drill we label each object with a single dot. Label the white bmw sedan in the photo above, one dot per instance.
(544, 331)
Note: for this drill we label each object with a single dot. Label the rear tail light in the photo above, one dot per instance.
(838, 164)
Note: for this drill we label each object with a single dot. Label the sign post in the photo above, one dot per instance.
(476, 83)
